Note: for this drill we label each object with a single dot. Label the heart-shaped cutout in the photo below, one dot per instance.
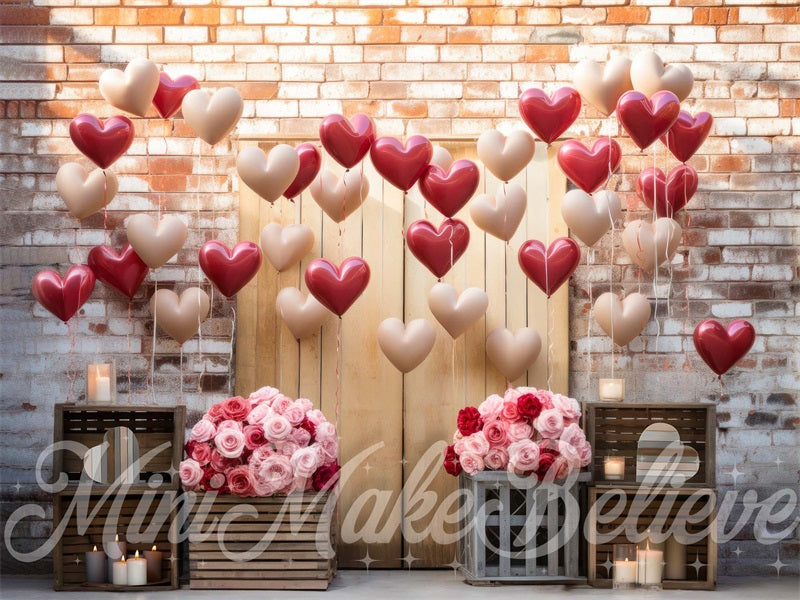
(549, 116)
(156, 243)
(649, 75)
(170, 93)
(438, 249)
(302, 313)
(622, 320)
(337, 287)
(505, 156)
(666, 194)
(662, 458)
(401, 164)
(513, 353)
(590, 217)
(124, 272)
(448, 190)
(102, 142)
(500, 215)
(84, 192)
(649, 244)
(687, 134)
(722, 348)
(63, 297)
(550, 269)
(212, 117)
(310, 163)
(132, 90)
(179, 317)
(268, 175)
(602, 86)
(115, 460)
(286, 246)
(406, 346)
(230, 270)
(339, 197)
(347, 141)
(457, 312)
(647, 119)
(589, 169)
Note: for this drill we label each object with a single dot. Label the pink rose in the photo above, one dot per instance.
(259, 414)
(203, 430)
(214, 413)
(229, 424)
(276, 428)
(201, 452)
(281, 403)
(327, 450)
(263, 395)
(570, 454)
(523, 457)
(221, 463)
(253, 436)
(260, 454)
(509, 414)
(512, 395)
(550, 423)
(471, 463)
(294, 414)
(569, 407)
(519, 431)
(325, 431)
(239, 481)
(496, 433)
(229, 442)
(476, 444)
(287, 448)
(585, 453)
(301, 484)
(573, 435)
(491, 407)
(235, 408)
(190, 472)
(304, 462)
(305, 404)
(496, 459)
(273, 475)
(315, 416)
(301, 437)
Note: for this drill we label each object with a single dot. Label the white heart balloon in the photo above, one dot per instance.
(505, 156)
(650, 244)
(302, 313)
(602, 86)
(180, 318)
(132, 90)
(589, 217)
(339, 197)
(268, 175)
(649, 75)
(500, 215)
(85, 192)
(622, 320)
(212, 117)
(156, 243)
(513, 353)
(456, 312)
(406, 346)
(286, 246)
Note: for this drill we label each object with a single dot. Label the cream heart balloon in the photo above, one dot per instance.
(156, 243)
(85, 192)
(602, 86)
(456, 312)
(268, 175)
(302, 313)
(132, 90)
(589, 217)
(212, 117)
(500, 215)
(650, 244)
(406, 346)
(505, 156)
(513, 353)
(442, 158)
(286, 246)
(622, 320)
(650, 75)
(339, 197)
(179, 318)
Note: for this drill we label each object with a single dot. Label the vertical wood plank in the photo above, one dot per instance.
(559, 327)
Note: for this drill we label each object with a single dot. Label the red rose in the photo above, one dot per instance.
(529, 407)
(213, 481)
(253, 436)
(451, 464)
(469, 421)
(310, 428)
(547, 458)
(215, 414)
(325, 477)
(200, 452)
(236, 408)
(188, 447)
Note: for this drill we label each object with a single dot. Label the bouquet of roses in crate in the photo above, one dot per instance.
(526, 431)
(264, 445)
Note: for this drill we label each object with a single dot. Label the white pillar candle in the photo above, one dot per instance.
(137, 570)
(103, 389)
(624, 571)
(614, 468)
(650, 567)
(119, 572)
(675, 557)
(612, 390)
(115, 551)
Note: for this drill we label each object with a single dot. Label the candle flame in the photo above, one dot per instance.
(137, 554)
(154, 547)
(94, 549)
(123, 558)
(116, 538)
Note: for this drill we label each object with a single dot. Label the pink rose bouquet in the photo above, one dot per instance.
(265, 445)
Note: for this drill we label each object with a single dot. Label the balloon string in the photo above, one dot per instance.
(655, 256)
(71, 372)
(361, 202)
(339, 241)
(506, 248)
(128, 341)
(105, 207)
(277, 338)
(153, 349)
(550, 343)
(589, 261)
(610, 264)
(180, 398)
(337, 397)
(230, 352)
(548, 291)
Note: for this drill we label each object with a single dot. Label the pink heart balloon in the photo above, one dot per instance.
(722, 348)
(687, 134)
(449, 190)
(230, 270)
(645, 119)
(337, 288)
(310, 163)
(668, 194)
(103, 142)
(589, 169)
(401, 164)
(549, 116)
(438, 250)
(347, 141)
(170, 93)
(549, 270)
(63, 297)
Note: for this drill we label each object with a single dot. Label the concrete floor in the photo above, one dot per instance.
(422, 585)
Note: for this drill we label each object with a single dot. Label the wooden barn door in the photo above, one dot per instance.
(397, 506)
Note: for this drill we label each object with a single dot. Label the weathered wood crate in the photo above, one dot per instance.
(643, 508)
(275, 543)
(517, 530)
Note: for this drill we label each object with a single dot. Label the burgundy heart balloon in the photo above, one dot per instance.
(63, 297)
(401, 164)
(667, 194)
(551, 269)
(722, 348)
(549, 116)
(589, 169)
(347, 141)
(125, 271)
(448, 191)
(337, 287)
(230, 270)
(438, 250)
(687, 134)
(170, 93)
(310, 163)
(102, 142)
(645, 119)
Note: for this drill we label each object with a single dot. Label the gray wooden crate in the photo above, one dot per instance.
(518, 530)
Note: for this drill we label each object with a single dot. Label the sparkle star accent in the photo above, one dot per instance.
(455, 565)
(736, 473)
(607, 565)
(202, 564)
(409, 559)
(697, 564)
(18, 486)
(367, 468)
(778, 564)
(778, 462)
(77, 560)
(172, 558)
(403, 461)
(737, 552)
(367, 560)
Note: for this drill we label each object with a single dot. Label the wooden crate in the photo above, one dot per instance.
(139, 518)
(614, 429)
(661, 506)
(518, 530)
(297, 535)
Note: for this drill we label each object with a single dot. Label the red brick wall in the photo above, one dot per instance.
(423, 69)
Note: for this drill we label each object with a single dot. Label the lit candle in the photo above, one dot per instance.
(675, 557)
(612, 390)
(154, 558)
(119, 572)
(624, 576)
(614, 467)
(115, 551)
(650, 565)
(96, 566)
(137, 570)
(100, 380)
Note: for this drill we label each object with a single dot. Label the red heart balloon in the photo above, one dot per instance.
(102, 142)
(687, 134)
(721, 348)
(125, 271)
(549, 270)
(347, 141)
(399, 164)
(310, 163)
(337, 287)
(449, 191)
(549, 116)
(230, 270)
(668, 193)
(438, 250)
(645, 119)
(64, 297)
(170, 93)
(589, 169)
